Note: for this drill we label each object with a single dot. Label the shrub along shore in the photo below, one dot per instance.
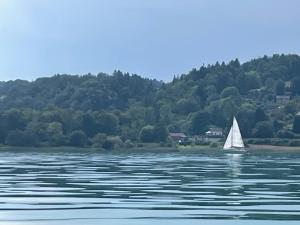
(156, 147)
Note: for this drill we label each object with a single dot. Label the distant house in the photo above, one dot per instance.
(214, 132)
(282, 99)
(178, 137)
(200, 138)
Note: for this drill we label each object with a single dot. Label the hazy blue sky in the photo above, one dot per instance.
(153, 38)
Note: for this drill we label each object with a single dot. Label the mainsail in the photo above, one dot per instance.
(234, 138)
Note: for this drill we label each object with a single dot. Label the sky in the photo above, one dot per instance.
(152, 38)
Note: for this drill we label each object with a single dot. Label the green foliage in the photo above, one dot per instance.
(54, 134)
(20, 138)
(264, 129)
(88, 124)
(230, 92)
(260, 115)
(128, 144)
(278, 125)
(185, 106)
(103, 110)
(275, 141)
(160, 133)
(246, 118)
(98, 140)
(285, 134)
(296, 124)
(247, 81)
(101, 140)
(213, 145)
(112, 142)
(217, 113)
(291, 107)
(280, 87)
(78, 138)
(147, 134)
(228, 107)
(107, 123)
(13, 119)
(199, 122)
(295, 86)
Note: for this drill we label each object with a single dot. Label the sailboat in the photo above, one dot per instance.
(234, 140)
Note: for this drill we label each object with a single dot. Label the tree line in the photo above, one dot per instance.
(122, 110)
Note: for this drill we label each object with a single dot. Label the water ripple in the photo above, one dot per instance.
(92, 185)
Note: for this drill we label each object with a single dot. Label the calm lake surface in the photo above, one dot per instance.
(86, 187)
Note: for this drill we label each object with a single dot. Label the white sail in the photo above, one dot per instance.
(236, 134)
(228, 142)
(234, 138)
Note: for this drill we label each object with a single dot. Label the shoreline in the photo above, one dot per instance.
(273, 147)
(251, 147)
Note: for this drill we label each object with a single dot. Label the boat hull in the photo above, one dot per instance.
(230, 150)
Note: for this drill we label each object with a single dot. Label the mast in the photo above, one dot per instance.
(237, 137)
(232, 132)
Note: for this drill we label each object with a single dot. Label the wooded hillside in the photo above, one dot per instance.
(121, 109)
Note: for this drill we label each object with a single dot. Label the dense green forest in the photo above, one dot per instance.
(123, 110)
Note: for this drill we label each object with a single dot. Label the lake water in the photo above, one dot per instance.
(86, 187)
